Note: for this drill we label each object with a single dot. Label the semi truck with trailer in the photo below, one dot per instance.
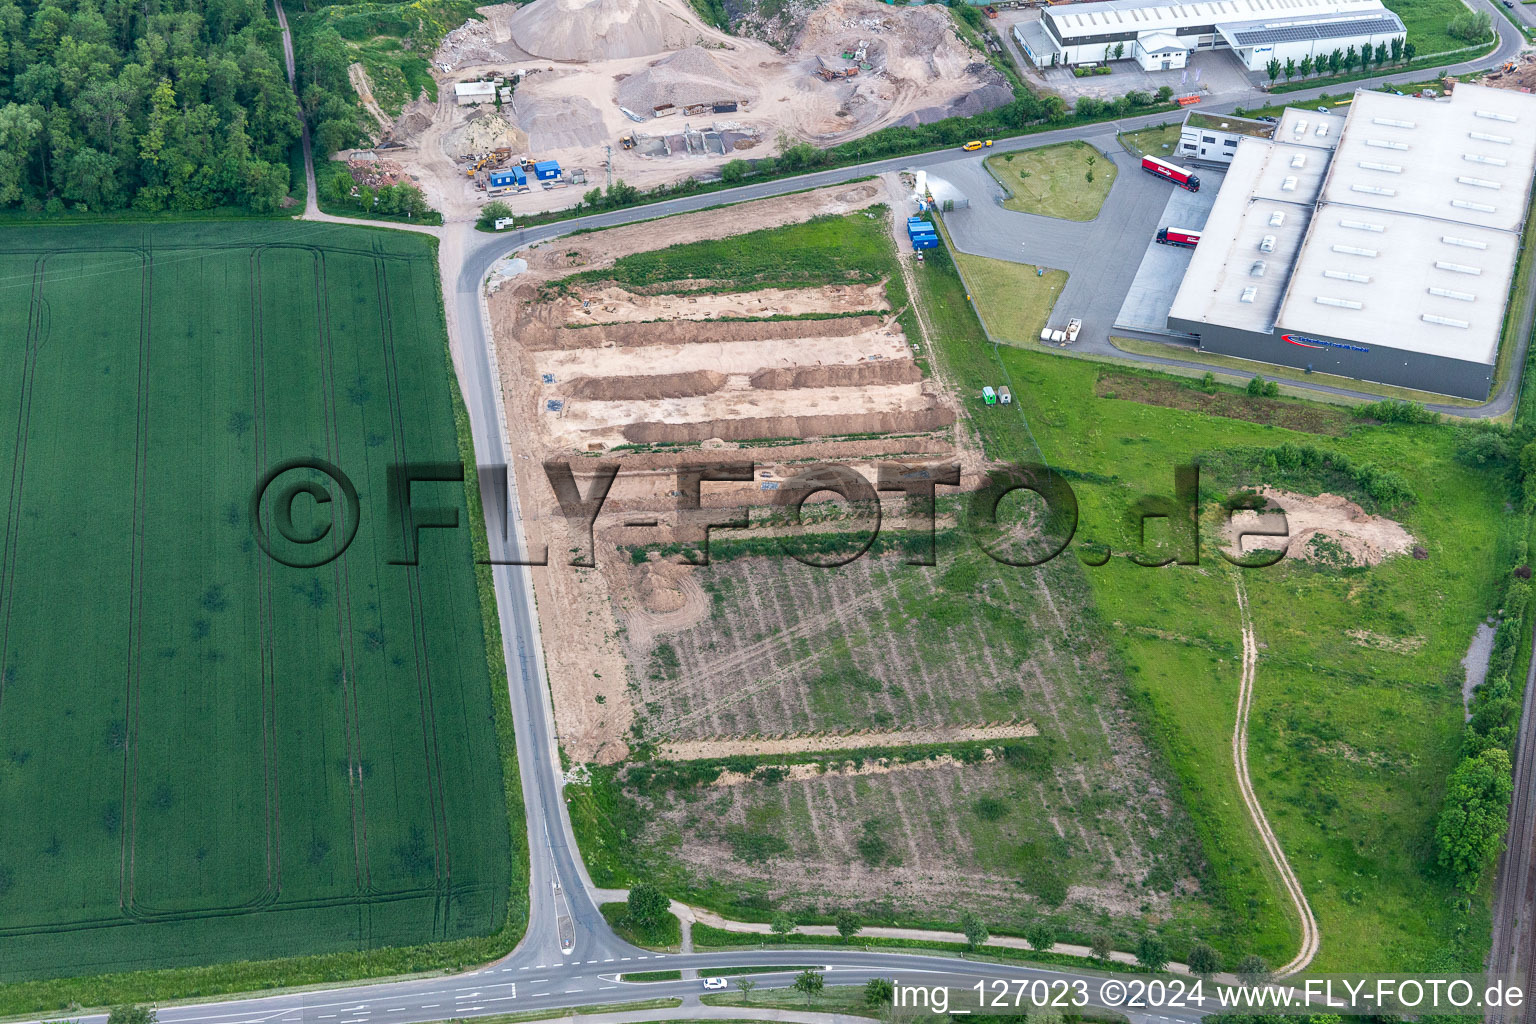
(1170, 172)
(1178, 236)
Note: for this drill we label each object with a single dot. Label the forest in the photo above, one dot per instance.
(149, 105)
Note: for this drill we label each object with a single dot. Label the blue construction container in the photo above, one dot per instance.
(502, 179)
(925, 241)
(546, 170)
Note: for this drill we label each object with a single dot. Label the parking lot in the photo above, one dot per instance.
(1162, 267)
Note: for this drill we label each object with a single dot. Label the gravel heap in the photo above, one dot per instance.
(688, 76)
(592, 30)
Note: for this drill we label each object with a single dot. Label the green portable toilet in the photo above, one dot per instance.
(989, 396)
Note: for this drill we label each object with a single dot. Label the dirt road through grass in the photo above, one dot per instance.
(1309, 934)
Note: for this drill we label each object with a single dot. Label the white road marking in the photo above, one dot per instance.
(500, 999)
(538, 994)
(608, 961)
(466, 1009)
(605, 988)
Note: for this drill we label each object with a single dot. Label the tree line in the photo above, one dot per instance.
(152, 105)
(1342, 61)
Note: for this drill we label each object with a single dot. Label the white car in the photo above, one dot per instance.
(714, 983)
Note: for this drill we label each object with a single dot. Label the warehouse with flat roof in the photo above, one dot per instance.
(1161, 34)
(1379, 246)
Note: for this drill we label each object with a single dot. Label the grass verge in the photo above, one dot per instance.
(643, 976)
(832, 999)
(1160, 141)
(1015, 299)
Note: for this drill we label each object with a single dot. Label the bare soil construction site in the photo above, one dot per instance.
(968, 695)
(648, 87)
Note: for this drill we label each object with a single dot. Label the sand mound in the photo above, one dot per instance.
(916, 421)
(652, 386)
(687, 77)
(487, 130)
(591, 30)
(1326, 529)
(859, 374)
(660, 594)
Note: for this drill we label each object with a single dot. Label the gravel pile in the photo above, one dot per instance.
(591, 30)
(687, 77)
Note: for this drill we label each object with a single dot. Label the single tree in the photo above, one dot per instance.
(1256, 387)
(848, 924)
(1409, 49)
(1397, 49)
(1366, 53)
(1041, 936)
(782, 924)
(1100, 946)
(1351, 58)
(1152, 952)
(1252, 970)
(1381, 54)
(1164, 93)
(1335, 61)
(647, 905)
(1107, 51)
(975, 929)
(1290, 68)
(1306, 66)
(1119, 50)
(493, 211)
(878, 991)
(1272, 69)
(1208, 383)
(1203, 960)
(809, 983)
(746, 985)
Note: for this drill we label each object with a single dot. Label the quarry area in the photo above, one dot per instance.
(644, 89)
(962, 684)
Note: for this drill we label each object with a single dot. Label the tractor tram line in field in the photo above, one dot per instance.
(18, 468)
(431, 748)
(266, 627)
(136, 569)
(341, 579)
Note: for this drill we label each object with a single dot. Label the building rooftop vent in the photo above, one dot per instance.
(1277, 218)
(1386, 144)
(1344, 275)
(1375, 190)
(1447, 321)
(1494, 115)
(1466, 243)
(1459, 268)
(1289, 184)
(1322, 130)
(1328, 300)
(1354, 250)
(1299, 160)
(1478, 182)
(1503, 140)
(1362, 225)
(1391, 122)
(1448, 293)
(1372, 165)
(1267, 243)
(1478, 158)
(1248, 294)
(1258, 268)
(1467, 204)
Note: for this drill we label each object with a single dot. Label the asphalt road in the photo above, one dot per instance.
(569, 956)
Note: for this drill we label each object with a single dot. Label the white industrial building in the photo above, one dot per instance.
(1213, 138)
(1379, 245)
(1161, 34)
(468, 94)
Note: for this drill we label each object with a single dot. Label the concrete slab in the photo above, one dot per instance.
(1162, 267)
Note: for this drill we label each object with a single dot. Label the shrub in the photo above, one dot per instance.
(493, 211)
